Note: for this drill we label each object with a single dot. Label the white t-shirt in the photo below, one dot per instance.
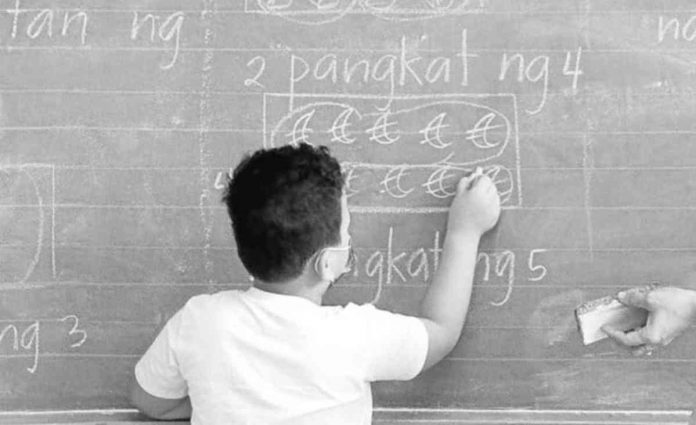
(254, 357)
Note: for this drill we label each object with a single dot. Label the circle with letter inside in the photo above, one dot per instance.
(22, 220)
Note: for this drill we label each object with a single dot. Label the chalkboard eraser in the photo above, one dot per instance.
(607, 311)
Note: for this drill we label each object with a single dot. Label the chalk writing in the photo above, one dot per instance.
(317, 12)
(391, 265)
(260, 63)
(534, 267)
(407, 67)
(166, 29)
(676, 28)
(21, 340)
(537, 70)
(502, 264)
(222, 178)
(28, 340)
(388, 265)
(45, 23)
(418, 145)
(81, 335)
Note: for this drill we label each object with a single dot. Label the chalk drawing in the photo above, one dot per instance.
(486, 129)
(392, 182)
(319, 12)
(415, 149)
(432, 132)
(29, 171)
(340, 128)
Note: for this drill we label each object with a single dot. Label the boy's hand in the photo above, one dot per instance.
(476, 206)
(671, 311)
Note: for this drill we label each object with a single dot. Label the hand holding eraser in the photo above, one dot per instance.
(608, 311)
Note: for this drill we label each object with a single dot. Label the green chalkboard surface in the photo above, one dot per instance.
(119, 121)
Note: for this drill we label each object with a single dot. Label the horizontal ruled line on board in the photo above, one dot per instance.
(360, 248)
(197, 169)
(260, 131)
(80, 91)
(410, 14)
(143, 285)
(92, 168)
(143, 129)
(476, 11)
(631, 359)
(467, 327)
(531, 418)
(287, 49)
(328, 95)
(463, 415)
(11, 286)
(71, 355)
(91, 321)
(363, 209)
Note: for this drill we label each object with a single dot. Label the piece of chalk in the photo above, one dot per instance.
(474, 177)
(607, 311)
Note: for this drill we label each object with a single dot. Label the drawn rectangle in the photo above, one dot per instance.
(404, 152)
(27, 223)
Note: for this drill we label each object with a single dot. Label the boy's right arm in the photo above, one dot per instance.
(475, 210)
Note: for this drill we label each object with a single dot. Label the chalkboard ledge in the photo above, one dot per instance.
(397, 416)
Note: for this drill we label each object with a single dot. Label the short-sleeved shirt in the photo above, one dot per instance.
(255, 357)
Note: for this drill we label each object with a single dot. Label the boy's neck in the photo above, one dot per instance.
(312, 291)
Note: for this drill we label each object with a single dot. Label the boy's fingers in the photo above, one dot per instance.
(463, 183)
(636, 297)
(473, 178)
(645, 350)
(466, 181)
(630, 339)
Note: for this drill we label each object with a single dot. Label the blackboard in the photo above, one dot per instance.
(119, 121)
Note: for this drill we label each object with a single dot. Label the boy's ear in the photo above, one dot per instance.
(322, 266)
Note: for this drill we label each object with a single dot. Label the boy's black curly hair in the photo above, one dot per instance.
(285, 205)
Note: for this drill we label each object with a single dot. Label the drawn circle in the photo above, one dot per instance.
(378, 6)
(274, 6)
(435, 9)
(440, 5)
(22, 219)
(307, 111)
(503, 180)
(321, 11)
(496, 148)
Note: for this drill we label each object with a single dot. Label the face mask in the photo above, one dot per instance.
(350, 261)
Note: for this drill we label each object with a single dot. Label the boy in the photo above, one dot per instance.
(272, 353)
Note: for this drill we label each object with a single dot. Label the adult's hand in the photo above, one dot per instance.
(671, 311)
